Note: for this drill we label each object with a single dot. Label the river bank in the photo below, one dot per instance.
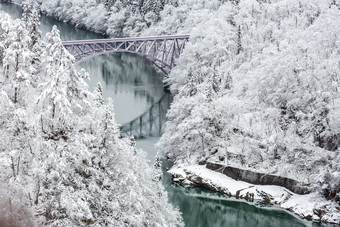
(109, 18)
(311, 206)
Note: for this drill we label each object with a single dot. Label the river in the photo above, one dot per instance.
(133, 85)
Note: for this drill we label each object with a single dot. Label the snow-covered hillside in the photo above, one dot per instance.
(113, 18)
(62, 162)
(257, 88)
(261, 80)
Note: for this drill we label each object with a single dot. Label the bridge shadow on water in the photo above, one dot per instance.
(134, 85)
(130, 81)
(151, 122)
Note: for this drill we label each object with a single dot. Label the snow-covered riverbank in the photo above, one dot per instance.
(311, 206)
(112, 18)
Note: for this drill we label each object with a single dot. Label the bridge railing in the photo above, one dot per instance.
(130, 39)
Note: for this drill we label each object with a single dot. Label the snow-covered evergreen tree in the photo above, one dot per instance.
(35, 34)
(16, 60)
(264, 94)
(15, 132)
(62, 160)
(106, 16)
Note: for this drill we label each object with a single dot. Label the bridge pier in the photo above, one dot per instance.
(150, 120)
(141, 126)
(131, 128)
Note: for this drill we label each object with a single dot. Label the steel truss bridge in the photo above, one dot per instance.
(160, 50)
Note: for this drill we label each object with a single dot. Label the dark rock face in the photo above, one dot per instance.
(260, 178)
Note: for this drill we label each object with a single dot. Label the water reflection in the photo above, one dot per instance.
(14, 11)
(204, 208)
(201, 208)
(129, 80)
(67, 31)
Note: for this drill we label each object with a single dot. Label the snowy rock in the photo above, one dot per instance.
(312, 206)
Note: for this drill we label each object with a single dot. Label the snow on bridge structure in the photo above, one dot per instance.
(160, 50)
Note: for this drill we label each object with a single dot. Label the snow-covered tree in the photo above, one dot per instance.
(154, 6)
(61, 157)
(16, 61)
(106, 16)
(15, 153)
(64, 93)
(259, 82)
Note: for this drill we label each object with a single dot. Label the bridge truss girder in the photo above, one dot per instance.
(162, 51)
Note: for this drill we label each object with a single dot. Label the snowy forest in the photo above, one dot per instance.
(259, 83)
(111, 17)
(61, 159)
(256, 88)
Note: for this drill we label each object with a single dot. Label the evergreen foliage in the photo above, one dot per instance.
(62, 162)
(257, 88)
(115, 18)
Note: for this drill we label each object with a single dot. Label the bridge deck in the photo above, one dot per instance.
(91, 41)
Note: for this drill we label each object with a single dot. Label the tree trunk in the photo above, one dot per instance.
(37, 193)
(15, 94)
(17, 63)
(53, 110)
(13, 167)
(18, 165)
(202, 138)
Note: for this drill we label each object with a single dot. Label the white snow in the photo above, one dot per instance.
(304, 206)
(60, 150)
